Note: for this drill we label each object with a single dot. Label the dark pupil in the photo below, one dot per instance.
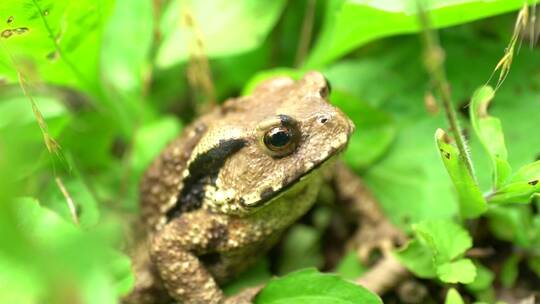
(279, 138)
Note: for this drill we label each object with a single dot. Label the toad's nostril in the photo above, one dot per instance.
(323, 118)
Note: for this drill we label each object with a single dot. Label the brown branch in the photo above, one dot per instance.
(384, 275)
(374, 232)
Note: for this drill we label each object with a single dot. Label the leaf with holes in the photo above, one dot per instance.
(60, 42)
(521, 187)
(471, 201)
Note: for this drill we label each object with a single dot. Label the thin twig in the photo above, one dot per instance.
(50, 143)
(307, 30)
(198, 71)
(69, 200)
(504, 64)
(434, 63)
(532, 26)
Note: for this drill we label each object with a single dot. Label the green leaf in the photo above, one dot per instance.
(510, 271)
(255, 275)
(120, 268)
(225, 27)
(361, 77)
(446, 239)
(521, 187)
(453, 297)
(471, 200)
(350, 267)
(301, 248)
(529, 173)
(19, 124)
(437, 247)
(482, 287)
(93, 270)
(62, 40)
(460, 271)
(534, 265)
(349, 24)
(375, 130)
(511, 223)
(260, 77)
(409, 177)
(310, 286)
(83, 199)
(517, 192)
(61, 47)
(16, 284)
(126, 46)
(489, 131)
(418, 259)
(150, 139)
(16, 110)
(483, 280)
(92, 137)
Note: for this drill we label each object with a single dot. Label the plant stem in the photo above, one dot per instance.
(307, 30)
(434, 63)
(69, 200)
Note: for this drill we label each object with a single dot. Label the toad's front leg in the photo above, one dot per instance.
(175, 250)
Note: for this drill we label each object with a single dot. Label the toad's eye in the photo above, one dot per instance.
(281, 140)
(278, 138)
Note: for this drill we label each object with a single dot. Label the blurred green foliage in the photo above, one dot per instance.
(109, 79)
(453, 297)
(322, 288)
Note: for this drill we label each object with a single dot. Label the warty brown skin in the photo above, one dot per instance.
(218, 197)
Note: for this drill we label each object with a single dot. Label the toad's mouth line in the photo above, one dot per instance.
(275, 194)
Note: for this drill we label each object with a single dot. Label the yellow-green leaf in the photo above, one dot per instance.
(471, 201)
(489, 131)
(524, 184)
(453, 297)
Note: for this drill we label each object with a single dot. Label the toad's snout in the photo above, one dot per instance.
(338, 125)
